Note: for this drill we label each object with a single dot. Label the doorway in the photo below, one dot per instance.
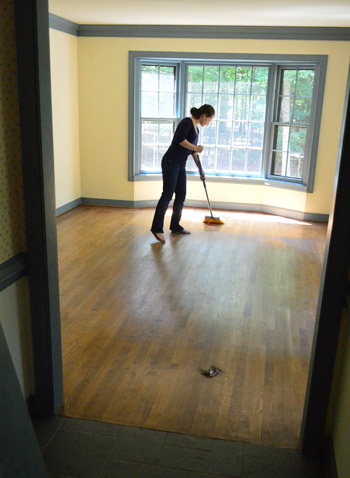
(46, 346)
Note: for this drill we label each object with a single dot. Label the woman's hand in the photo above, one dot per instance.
(200, 148)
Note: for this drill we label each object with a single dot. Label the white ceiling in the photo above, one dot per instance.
(331, 13)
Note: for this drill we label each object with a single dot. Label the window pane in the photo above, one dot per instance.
(211, 79)
(194, 78)
(295, 165)
(279, 163)
(225, 107)
(193, 99)
(254, 160)
(302, 110)
(238, 160)
(148, 157)
(149, 107)
(258, 107)
(297, 140)
(285, 109)
(223, 160)
(288, 78)
(149, 78)
(243, 79)
(166, 105)
(240, 133)
(208, 159)
(149, 132)
(209, 133)
(211, 100)
(155, 139)
(305, 83)
(227, 79)
(224, 132)
(281, 138)
(256, 134)
(241, 108)
(259, 83)
(167, 78)
(166, 133)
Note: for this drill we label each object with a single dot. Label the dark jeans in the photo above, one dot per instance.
(174, 180)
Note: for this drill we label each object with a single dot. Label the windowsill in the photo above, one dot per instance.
(228, 179)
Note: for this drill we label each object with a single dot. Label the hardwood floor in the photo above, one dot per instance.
(139, 319)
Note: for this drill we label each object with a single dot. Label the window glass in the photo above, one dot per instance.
(267, 114)
(158, 100)
(292, 122)
(239, 96)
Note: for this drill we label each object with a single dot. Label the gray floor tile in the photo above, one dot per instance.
(226, 458)
(77, 454)
(120, 469)
(188, 441)
(55, 475)
(89, 449)
(258, 467)
(292, 463)
(282, 463)
(151, 471)
(250, 449)
(184, 458)
(45, 428)
(138, 445)
(92, 426)
(206, 475)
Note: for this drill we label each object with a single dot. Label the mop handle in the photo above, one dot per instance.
(206, 192)
(201, 172)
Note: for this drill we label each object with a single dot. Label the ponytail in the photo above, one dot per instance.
(206, 110)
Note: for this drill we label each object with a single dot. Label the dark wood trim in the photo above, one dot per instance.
(34, 86)
(12, 270)
(332, 296)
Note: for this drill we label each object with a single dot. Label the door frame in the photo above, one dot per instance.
(33, 56)
(34, 91)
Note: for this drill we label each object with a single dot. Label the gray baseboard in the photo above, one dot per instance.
(226, 206)
(107, 202)
(67, 207)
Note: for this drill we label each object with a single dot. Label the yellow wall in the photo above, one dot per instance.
(103, 99)
(65, 112)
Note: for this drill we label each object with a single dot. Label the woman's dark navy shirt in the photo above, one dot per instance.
(184, 130)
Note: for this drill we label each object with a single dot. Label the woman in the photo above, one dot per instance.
(174, 160)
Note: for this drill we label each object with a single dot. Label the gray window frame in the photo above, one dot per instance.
(274, 62)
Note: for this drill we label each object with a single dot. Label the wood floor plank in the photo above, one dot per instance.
(140, 319)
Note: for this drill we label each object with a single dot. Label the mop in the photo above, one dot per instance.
(208, 219)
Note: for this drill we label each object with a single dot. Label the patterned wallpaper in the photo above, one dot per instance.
(12, 226)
